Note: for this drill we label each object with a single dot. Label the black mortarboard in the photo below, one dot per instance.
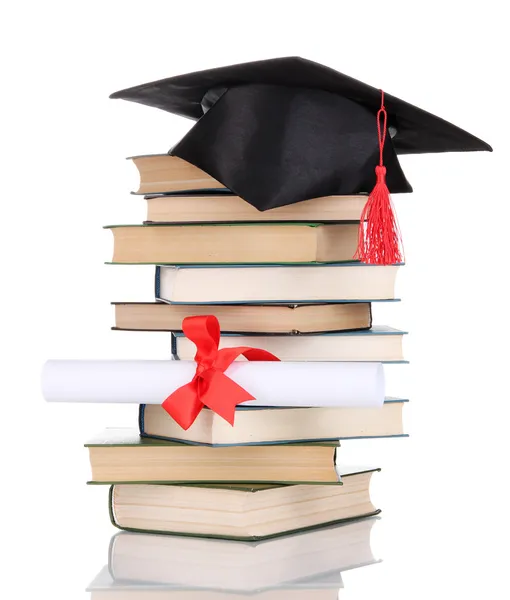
(279, 131)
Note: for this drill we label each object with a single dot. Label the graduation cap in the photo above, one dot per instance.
(280, 131)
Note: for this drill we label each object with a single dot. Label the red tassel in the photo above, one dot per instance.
(380, 241)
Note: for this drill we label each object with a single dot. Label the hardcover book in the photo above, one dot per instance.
(179, 207)
(378, 344)
(293, 319)
(270, 243)
(165, 173)
(266, 425)
(242, 511)
(348, 282)
(122, 456)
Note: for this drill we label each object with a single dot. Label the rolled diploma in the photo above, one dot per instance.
(346, 384)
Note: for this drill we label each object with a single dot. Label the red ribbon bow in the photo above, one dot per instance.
(210, 386)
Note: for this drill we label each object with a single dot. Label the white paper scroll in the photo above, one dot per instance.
(271, 383)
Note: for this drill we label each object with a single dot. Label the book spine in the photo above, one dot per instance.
(111, 512)
(157, 282)
(141, 420)
(173, 346)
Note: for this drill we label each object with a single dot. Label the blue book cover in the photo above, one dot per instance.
(376, 330)
(241, 408)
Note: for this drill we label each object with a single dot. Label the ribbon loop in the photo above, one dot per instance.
(204, 332)
(210, 386)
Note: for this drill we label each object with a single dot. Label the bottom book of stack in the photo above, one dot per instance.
(239, 511)
(303, 566)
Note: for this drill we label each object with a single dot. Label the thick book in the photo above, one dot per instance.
(311, 560)
(378, 344)
(352, 282)
(161, 173)
(290, 319)
(242, 512)
(227, 208)
(266, 425)
(122, 456)
(263, 243)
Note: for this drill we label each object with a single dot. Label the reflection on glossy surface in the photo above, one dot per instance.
(303, 566)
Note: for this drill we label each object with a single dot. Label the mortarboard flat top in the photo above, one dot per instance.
(284, 130)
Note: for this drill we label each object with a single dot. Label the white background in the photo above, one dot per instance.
(444, 492)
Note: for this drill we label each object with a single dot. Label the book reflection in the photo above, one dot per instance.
(303, 566)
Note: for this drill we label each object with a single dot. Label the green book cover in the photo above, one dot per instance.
(237, 224)
(249, 489)
(130, 438)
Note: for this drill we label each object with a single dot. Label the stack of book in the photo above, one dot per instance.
(279, 285)
(275, 280)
